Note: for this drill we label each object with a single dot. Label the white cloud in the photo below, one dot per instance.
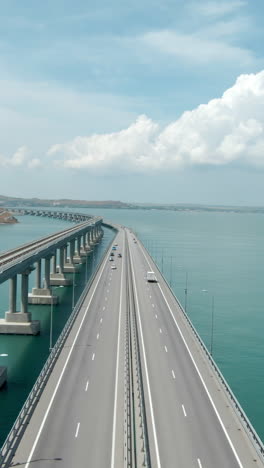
(213, 8)
(198, 48)
(226, 130)
(21, 158)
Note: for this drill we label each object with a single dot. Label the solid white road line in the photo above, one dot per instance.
(184, 412)
(173, 375)
(77, 429)
(146, 370)
(117, 369)
(87, 385)
(63, 370)
(199, 374)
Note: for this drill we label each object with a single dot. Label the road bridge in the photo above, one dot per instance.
(131, 384)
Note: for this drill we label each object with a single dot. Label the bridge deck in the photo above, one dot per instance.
(79, 420)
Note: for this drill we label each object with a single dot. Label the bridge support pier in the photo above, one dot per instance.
(19, 323)
(42, 295)
(59, 279)
(69, 266)
(77, 258)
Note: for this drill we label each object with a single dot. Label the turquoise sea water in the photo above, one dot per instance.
(221, 254)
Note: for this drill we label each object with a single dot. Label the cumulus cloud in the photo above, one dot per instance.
(21, 158)
(226, 130)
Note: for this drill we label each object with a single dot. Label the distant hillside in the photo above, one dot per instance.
(15, 202)
(67, 203)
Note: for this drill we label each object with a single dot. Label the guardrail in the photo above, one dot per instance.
(15, 434)
(250, 431)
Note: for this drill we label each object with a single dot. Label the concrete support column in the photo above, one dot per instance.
(54, 262)
(72, 247)
(84, 240)
(24, 292)
(19, 323)
(90, 236)
(38, 274)
(78, 247)
(13, 294)
(61, 259)
(47, 273)
(65, 253)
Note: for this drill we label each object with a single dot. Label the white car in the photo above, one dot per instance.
(113, 267)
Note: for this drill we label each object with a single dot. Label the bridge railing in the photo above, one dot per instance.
(250, 431)
(8, 449)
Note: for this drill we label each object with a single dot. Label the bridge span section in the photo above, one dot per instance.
(65, 249)
(132, 385)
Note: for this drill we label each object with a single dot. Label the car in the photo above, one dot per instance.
(114, 248)
(112, 254)
(111, 259)
(119, 255)
(113, 267)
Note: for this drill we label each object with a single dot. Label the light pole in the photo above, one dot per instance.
(86, 272)
(212, 328)
(51, 319)
(186, 292)
(73, 290)
(51, 323)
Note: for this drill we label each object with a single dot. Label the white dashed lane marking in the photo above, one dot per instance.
(173, 375)
(87, 385)
(93, 357)
(77, 429)
(97, 336)
(184, 412)
(166, 349)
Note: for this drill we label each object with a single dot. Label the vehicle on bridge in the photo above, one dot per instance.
(151, 277)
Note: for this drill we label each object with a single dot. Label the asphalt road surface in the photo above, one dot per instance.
(79, 420)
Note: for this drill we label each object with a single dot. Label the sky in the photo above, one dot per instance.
(137, 101)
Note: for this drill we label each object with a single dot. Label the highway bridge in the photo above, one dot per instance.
(130, 384)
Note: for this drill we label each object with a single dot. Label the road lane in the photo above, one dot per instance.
(174, 380)
(81, 417)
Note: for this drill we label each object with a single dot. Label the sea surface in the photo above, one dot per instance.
(217, 257)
